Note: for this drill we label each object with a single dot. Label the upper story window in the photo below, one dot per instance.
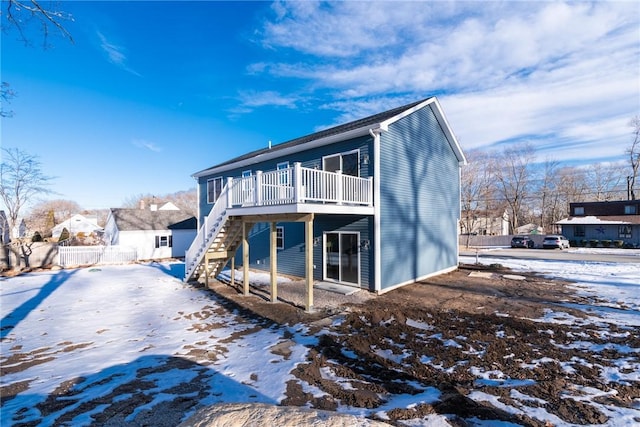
(630, 210)
(284, 174)
(214, 188)
(578, 210)
(348, 163)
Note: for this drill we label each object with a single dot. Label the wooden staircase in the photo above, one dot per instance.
(216, 242)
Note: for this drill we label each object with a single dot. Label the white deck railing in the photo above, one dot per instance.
(294, 185)
(300, 185)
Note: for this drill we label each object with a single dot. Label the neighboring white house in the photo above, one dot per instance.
(490, 224)
(86, 224)
(155, 233)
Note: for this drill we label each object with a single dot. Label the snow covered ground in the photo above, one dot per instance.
(87, 333)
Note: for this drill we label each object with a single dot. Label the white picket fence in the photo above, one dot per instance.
(90, 255)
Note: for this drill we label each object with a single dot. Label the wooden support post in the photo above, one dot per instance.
(206, 271)
(308, 243)
(274, 262)
(245, 259)
(233, 269)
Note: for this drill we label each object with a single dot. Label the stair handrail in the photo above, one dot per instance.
(201, 240)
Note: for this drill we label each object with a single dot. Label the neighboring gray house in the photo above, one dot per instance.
(155, 233)
(603, 221)
(372, 204)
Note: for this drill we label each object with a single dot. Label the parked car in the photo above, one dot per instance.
(555, 241)
(522, 242)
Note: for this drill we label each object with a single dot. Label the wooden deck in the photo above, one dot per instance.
(288, 195)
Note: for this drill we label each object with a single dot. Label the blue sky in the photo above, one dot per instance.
(151, 92)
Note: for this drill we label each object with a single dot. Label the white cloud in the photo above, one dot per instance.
(147, 145)
(251, 99)
(545, 72)
(115, 54)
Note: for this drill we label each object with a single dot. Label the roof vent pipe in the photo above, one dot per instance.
(269, 144)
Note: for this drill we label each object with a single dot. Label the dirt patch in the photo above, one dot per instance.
(467, 333)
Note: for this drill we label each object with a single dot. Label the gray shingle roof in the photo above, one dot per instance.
(356, 124)
(139, 219)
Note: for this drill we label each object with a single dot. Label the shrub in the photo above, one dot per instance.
(594, 243)
(573, 243)
(618, 243)
(606, 243)
(37, 237)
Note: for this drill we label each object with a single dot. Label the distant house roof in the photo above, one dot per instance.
(139, 219)
(78, 223)
(341, 132)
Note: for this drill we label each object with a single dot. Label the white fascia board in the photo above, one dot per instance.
(276, 153)
(444, 124)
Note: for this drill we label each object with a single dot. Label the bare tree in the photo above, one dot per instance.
(21, 181)
(20, 14)
(45, 215)
(6, 95)
(634, 158)
(604, 181)
(477, 188)
(547, 191)
(513, 175)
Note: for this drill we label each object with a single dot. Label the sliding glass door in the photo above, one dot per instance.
(342, 257)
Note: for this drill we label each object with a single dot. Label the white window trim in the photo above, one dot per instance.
(344, 153)
(324, 257)
(284, 175)
(212, 181)
(280, 230)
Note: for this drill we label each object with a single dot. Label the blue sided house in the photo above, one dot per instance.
(373, 204)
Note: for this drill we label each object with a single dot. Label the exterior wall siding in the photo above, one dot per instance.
(290, 260)
(309, 159)
(144, 243)
(602, 232)
(181, 241)
(419, 200)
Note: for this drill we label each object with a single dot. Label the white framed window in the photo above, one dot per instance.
(164, 241)
(279, 237)
(283, 176)
(246, 174)
(214, 188)
(348, 163)
(624, 231)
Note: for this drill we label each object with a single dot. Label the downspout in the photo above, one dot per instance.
(377, 270)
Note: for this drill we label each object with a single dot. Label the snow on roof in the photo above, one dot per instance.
(589, 220)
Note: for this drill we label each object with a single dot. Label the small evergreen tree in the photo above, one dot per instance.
(37, 237)
(64, 235)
